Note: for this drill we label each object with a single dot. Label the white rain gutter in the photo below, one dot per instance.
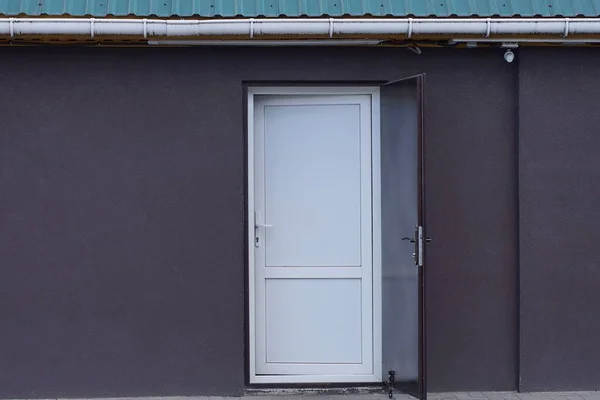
(329, 28)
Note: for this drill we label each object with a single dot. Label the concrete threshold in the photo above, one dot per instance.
(319, 391)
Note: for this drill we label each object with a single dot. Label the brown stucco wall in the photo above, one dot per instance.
(122, 203)
(559, 207)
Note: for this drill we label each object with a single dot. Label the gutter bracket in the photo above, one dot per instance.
(509, 45)
(251, 28)
(410, 28)
(11, 27)
(330, 28)
(92, 20)
(488, 30)
(566, 33)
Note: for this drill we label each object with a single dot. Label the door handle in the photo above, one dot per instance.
(257, 239)
(262, 225)
(419, 240)
(257, 217)
(257, 225)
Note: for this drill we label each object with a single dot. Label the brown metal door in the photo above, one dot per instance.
(403, 236)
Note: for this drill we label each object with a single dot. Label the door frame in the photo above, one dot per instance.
(373, 92)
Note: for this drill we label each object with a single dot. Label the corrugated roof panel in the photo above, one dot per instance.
(302, 8)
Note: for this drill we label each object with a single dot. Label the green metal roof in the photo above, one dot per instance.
(301, 8)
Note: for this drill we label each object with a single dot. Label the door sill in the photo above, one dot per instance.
(266, 379)
(323, 389)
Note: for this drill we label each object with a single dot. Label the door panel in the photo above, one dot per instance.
(402, 223)
(312, 191)
(328, 306)
(313, 237)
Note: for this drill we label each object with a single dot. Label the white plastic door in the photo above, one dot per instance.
(313, 238)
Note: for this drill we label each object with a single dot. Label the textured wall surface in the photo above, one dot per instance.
(122, 206)
(559, 186)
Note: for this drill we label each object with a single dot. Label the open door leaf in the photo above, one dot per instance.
(403, 251)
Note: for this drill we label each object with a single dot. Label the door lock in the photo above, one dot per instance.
(257, 226)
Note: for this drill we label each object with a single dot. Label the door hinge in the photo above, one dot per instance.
(390, 383)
